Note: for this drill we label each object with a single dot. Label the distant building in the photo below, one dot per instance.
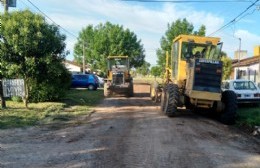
(257, 50)
(242, 54)
(74, 68)
(248, 68)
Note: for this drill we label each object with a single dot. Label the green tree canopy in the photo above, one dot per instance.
(144, 69)
(32, 50)
(156, 71)
(108, 39)
(173, 30)
(227, 66)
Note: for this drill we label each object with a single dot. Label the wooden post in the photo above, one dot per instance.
(2, 99)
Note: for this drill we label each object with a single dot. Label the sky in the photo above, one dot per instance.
(148, 20)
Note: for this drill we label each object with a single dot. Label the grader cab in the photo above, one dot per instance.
(119, 80)
(192, 79)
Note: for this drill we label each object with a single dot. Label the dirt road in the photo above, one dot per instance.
(131, 132)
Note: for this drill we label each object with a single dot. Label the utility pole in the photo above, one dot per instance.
(6, 5)
(84, 66)
(239, 51)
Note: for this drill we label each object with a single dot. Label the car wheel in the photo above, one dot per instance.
(91, 87)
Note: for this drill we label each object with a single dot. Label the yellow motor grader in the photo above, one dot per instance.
(119, 80)
(192, 79)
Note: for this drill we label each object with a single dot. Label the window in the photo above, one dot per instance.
(175, 51)
(225, 85)
(244, 85)
(201, 51)
(80, 77)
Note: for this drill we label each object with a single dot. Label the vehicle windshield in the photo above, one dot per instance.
(197, 50)
(244, 85)
(118, 63)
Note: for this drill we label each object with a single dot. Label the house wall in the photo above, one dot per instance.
(72, 68)
(242, 54)
(257, 50)
(251, 72)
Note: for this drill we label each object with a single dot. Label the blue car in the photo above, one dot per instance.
(89, 81)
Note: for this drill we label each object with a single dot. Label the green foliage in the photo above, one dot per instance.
(249, 116)
(107, 40)
(33, 50)
(201, 32)
(144, 69)
(227, 67)
(174, 29)
(53, 87)
(16, 99)
(75, 104)
(156, 71)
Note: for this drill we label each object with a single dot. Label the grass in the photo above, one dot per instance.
(75, 104)
(249, 116)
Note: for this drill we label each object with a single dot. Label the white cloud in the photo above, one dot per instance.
(248, 40)
(231, 42)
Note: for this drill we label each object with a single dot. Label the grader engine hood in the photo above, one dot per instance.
(204, 79)
(207, 75)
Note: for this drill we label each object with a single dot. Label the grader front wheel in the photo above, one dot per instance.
(131, 90)
(172, 99)
(153, 89)
(163, 99)
(107, 92)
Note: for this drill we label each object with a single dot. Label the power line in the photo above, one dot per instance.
(185, 1)
(24, 4)
(51, 19)
(235, 19)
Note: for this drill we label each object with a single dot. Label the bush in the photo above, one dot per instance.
(17, 99)
(53, 87)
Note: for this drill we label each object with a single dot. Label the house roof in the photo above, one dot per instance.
(72, 63)
(75, 63)
(246, 62)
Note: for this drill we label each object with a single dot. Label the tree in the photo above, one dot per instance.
(227, 66)
(174, 29)
(31, 49)
(108, 39)
(144, 69)
(156, 71)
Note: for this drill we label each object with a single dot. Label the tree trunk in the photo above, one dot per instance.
(2, 99)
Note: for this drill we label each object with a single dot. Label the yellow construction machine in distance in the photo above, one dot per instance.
(119, 80)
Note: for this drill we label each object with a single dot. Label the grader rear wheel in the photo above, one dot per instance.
(229, 114)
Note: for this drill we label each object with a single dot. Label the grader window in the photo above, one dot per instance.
(175, 51)
(117, 63)
(207, 51)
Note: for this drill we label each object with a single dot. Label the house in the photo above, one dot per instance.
(74, 67)
(248, 68)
